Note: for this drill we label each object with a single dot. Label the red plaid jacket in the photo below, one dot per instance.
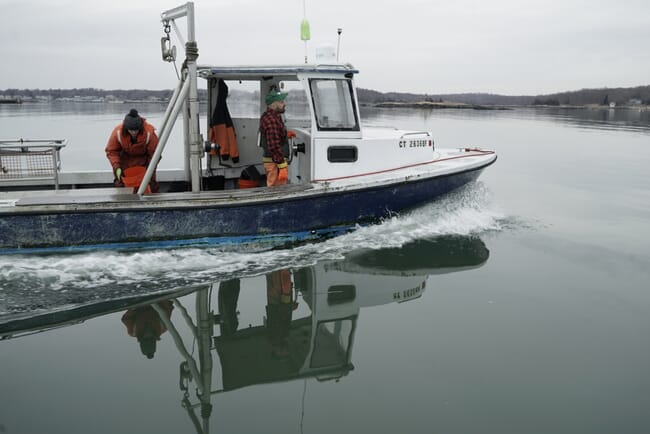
(274, 135)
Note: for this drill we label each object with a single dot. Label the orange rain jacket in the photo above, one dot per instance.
(146, 318)
(121, 152)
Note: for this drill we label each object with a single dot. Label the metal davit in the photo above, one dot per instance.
(185, 96)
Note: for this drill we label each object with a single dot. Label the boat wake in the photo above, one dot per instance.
(36, 282)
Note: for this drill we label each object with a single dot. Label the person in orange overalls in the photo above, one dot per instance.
(132, 143)
(279, 308)
(273, 135)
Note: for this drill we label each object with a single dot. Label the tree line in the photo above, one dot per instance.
(602, 96)
(89, 92)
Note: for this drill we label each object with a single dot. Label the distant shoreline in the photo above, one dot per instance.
(436, 105)
(636, 97)
(464, 106)
(388, 103)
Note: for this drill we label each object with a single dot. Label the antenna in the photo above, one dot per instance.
(304, 28)
(338, 44)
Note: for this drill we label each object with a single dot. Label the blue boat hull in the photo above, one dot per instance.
(298, 217)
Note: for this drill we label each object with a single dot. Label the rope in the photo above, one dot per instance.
(191, 50)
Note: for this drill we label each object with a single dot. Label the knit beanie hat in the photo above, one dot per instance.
(275, 95)
(133, 121)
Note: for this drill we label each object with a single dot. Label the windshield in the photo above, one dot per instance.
(244, 99)
(334, 104)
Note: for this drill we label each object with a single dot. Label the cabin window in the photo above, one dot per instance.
(332, 343)
(334, 105)
(340, 294)
(243, 98)
(342, 154)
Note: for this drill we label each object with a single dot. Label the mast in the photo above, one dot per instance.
(187, 98)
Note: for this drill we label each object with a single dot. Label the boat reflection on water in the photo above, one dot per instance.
(306, 329)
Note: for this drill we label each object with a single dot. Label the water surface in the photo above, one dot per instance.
(517, 304)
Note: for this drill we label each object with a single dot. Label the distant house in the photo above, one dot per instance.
(612, 104)
(634, 101)
(10, 100)
(112, 99)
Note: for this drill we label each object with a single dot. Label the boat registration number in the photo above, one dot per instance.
(418, 143)
(407, 294)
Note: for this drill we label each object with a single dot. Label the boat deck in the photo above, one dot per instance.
(111, 197)
(16, 199)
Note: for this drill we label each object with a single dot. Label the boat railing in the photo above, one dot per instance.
(30, 161)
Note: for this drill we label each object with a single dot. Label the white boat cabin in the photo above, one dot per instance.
(322, 110)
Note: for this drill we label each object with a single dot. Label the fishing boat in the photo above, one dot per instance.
(341, 174)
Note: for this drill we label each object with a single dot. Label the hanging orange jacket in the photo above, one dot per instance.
(222, 131)
(224, 136)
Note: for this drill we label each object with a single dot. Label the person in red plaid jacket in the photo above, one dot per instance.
(274, 139)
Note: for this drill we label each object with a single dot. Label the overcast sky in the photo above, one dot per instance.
(510, 47)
